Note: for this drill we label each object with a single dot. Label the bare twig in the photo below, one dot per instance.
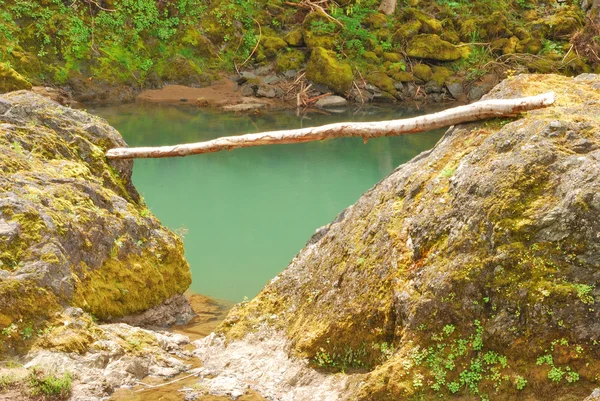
(255, 46)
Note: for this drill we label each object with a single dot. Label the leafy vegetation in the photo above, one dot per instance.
(49, 385)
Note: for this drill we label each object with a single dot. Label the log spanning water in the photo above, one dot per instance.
(462, 114)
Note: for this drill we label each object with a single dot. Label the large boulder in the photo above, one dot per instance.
(73, 229)
(470, 272)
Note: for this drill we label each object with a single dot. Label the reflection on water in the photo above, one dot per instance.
(249, 211)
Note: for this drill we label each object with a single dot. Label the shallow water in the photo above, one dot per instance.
(246, 213)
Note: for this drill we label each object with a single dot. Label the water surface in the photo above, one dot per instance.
(247, 212)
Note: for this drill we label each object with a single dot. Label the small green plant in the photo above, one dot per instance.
(48, 385)
(584, 293)
(520, 382)
(27, 332)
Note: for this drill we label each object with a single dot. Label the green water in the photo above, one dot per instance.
(249, 211)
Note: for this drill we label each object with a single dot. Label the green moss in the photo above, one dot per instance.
(30, 226)
(123, 286)
(10, 80)
(428, 23)
(432, 47)
(565, 23)
(295, 37)
(403, 76)
(24, 303)
(382, 81)
(292, 60)
(393, 57)
(324, 68)
(313, 41)
(272, 45)
(441, 74)
(376, 21)
(372, 57)
(530, 45)
(511, 45)
(422, 71)
(406, 31)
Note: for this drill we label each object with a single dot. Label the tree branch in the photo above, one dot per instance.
(472, 112)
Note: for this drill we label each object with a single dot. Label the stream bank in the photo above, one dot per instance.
(108, 51)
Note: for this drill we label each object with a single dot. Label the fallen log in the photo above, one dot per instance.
(472, 112)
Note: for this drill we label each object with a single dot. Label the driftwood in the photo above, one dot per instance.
(472, 112)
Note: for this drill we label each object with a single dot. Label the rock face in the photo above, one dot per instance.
(73, 229)
(471, 272)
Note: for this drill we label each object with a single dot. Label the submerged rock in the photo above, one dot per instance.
(83, 237)
(470, 272)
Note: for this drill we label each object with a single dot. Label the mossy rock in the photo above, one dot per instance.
(574, 65)
(531, 46)
(382, 81)
(394, 68)
(324, 68)
(406, 31)
(198, 43)
(371, 56)
(79, 224)
(403, 76)
(422, 72)
(469, 27)
(440, 74)
(444, 255)
(28, 65)
(433, 48)
(272, 45)
(393, 57)
(495, 26)
(214, 30)
(10, 80)
(291, 60)
(497, 45)
(295, 37)
(376, 21)
(313, 41)
(182, 71)
(428, 23)
(565, 23)
(450, 36)
(511, 45)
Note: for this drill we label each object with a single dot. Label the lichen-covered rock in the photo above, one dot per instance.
(433, 48)
(73, 229)
(324, 68)
(10, 80)
(470, 272)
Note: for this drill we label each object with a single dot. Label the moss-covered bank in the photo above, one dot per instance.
(97, 48)
(471, 272)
